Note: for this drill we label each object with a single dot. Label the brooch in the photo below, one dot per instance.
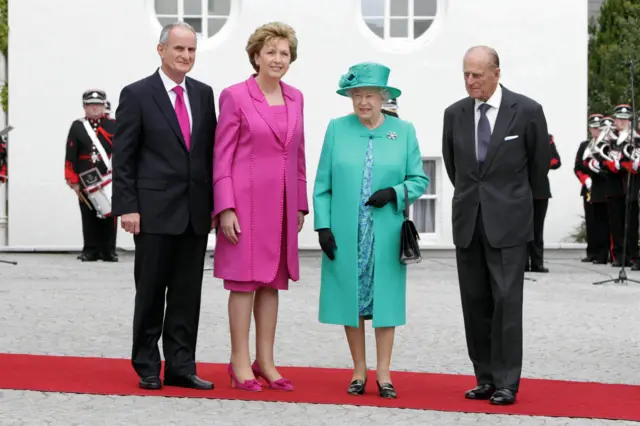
(392, 135)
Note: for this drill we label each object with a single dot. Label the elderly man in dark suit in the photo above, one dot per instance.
(496, 150)
(162, 189)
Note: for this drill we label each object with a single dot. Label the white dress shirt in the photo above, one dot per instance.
(492, 112)
(169, 85)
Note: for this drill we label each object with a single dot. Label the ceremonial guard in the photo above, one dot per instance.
(390, 108)
(87, 172)
(541, 195)
(593, 191)
(615, 152)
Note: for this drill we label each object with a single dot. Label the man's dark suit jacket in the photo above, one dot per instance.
(502, 187)
(153, 172)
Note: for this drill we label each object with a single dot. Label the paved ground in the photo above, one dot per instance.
(52, 304)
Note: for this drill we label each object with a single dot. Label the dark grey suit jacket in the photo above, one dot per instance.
(503, 186)
(153, 172)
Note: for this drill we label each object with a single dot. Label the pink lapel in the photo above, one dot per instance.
(292, 110)
(262, 106)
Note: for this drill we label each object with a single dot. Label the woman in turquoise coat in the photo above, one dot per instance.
(367, 158)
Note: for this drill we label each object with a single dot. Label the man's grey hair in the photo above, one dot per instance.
(166, 30)
(493, 55)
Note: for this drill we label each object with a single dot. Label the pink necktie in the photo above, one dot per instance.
(183, 116)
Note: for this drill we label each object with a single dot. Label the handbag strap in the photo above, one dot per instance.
(406, 202)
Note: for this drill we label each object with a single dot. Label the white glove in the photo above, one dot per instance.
(617, 165)
(635, 165)
(594, 165)
(588, 184)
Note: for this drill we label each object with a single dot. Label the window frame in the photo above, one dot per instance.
(204, 38)
(438, 205)
(401, 44)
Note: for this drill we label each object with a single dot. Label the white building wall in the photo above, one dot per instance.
(59, 49)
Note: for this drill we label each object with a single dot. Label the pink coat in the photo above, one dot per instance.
(252, 164)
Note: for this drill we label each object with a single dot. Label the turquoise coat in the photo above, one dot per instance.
(336, 197)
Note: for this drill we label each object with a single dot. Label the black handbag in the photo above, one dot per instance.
(409, 247)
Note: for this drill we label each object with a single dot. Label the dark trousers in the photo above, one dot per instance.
(173, 264)
(99, 235)
(491, 286)
(616, 210)
(535, 248)
(598, 237)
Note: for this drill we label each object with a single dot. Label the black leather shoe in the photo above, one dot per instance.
(111, 257)
(86, 257)
(386, 390)
(539, 269)
(587, 259)
(480, 392)
(189, 381)
(356, 387)
(503, 396)
(150, 382)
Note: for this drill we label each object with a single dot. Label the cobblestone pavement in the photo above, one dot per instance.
(53, 304)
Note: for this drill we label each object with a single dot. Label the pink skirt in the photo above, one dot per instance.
(280, 282)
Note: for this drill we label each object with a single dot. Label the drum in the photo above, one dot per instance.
(98, 190)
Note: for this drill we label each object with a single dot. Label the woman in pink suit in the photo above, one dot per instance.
(260, 198)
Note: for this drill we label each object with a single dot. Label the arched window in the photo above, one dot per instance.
(399, 19)
(207, 17)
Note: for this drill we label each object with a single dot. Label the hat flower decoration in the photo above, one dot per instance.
(348, 80)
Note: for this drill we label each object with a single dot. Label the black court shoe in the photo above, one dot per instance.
(386, 390)
(356, 387)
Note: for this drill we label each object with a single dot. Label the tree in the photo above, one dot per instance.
(613, 41)
(4, 48)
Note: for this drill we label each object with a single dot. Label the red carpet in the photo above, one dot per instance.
(424, 391)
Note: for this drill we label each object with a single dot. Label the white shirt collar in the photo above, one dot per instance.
(168, 83)
(494, 101)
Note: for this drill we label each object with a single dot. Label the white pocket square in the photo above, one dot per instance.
(508, 138)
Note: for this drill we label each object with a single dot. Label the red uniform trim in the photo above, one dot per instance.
(106, 134)
(582, 177)
(629, 167)
(69, 174)
(611, 165)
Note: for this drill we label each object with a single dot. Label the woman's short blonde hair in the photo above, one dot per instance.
(265, 34)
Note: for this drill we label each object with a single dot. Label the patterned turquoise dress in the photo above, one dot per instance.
(365, 240)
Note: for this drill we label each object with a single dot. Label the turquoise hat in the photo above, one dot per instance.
(367, 74)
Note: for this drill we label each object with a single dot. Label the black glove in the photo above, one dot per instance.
(327, 242)
(381, 198)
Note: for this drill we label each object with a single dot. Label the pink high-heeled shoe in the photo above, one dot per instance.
(248, 385)
(280, 384)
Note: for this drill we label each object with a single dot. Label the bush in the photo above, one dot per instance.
(579, 234)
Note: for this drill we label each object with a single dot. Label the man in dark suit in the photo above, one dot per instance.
(495, 147)
(162, 189)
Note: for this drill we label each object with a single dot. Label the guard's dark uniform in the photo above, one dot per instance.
(541, 195)
(594, 201)
(81, 155)
(620, 181)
